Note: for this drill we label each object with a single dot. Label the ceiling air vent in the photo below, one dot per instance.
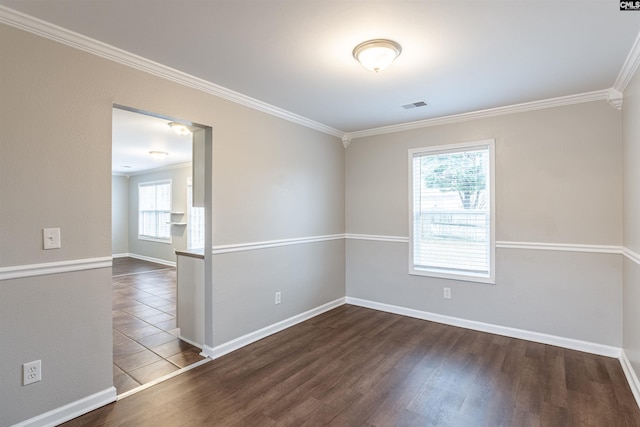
(414, 105)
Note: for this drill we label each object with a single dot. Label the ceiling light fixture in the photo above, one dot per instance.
(158, 155)
(180, 129)
(378, 54)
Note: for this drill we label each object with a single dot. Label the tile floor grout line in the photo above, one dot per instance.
(152, 289)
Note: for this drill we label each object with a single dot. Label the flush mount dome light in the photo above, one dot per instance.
(158, 155)
(376, 55)
(180, 129)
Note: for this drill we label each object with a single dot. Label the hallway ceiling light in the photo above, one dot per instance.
(180, 129)
(378, 54)
(158, 155)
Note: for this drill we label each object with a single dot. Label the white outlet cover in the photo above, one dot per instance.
(31, 372)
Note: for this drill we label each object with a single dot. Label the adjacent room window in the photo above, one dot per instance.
(195, 221)
(452, 211)
(154, 208)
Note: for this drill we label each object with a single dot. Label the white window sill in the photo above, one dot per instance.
(453, 276)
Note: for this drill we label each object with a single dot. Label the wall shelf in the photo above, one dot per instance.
(177, 222)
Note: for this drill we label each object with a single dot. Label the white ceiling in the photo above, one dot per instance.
(458, 56)
(135, 135)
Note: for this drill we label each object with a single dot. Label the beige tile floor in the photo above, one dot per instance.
(145, 338)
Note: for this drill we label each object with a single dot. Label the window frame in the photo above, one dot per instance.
(190, 217)
(488, 144)
(146, 237)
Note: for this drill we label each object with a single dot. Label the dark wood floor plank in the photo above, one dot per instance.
(353, 366)
(575, 371)
(556, 381)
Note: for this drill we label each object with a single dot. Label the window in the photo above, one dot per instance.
(452, 211)
(154, 208)
(195, 220)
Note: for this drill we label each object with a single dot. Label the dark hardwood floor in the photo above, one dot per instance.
(353, 366)
(145, 338)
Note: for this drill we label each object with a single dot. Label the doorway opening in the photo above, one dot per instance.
(155, 213)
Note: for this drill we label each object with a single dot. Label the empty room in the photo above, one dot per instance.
(415, 213)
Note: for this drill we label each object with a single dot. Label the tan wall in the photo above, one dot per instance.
(272, 180)
(119, 214)
(157, 250)
(558, 175)
(631, 150)
(558, 180)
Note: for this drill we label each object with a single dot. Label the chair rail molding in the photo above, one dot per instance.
(30, 270)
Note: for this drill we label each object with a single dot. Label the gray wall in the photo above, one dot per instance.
(282, 184)
(558, 180)
(119, 214)
(157, 250)
(55, 118)
(57, 319)
(631, 150)
(307, 275)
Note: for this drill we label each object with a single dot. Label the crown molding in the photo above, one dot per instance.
(629, 68)
(615, 98)
(53, 32)
(598, 95)
(346, 140)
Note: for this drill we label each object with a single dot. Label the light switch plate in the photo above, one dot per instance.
(51, 238)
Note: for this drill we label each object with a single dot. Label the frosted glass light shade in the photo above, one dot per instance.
(180, 129)
(376, 55)
(158, 155)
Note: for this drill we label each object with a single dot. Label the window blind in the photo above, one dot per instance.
(154, 206)
(451, 207)
(195, 218)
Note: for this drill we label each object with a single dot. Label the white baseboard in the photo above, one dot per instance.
(122, 255)
(188, 341)
(229, 346)
(72, 410)
(570, 343)
(150, 259)
(632, 378)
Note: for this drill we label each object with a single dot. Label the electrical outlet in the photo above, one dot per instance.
(278, 299)
(31, 372)
(447, 293)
